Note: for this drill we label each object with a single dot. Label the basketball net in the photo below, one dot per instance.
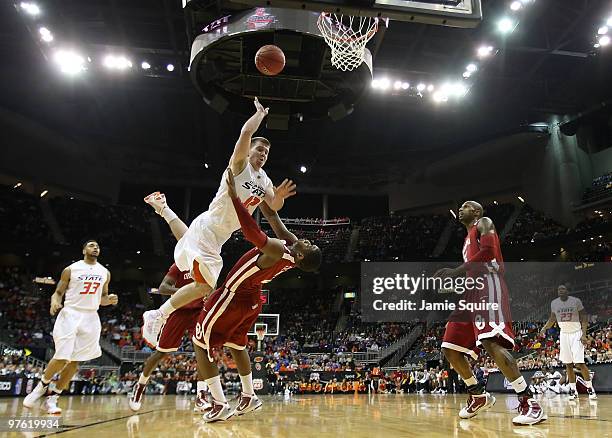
(347, 37)
(261, 334)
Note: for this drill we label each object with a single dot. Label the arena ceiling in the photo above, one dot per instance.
(151, 120)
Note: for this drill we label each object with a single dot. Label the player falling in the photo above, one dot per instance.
(76, 333)
(492, 329)
(231, 310)
(199, 248)
(569, 314)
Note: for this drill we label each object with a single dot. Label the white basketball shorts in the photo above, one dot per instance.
(571, 349)
(76, 335)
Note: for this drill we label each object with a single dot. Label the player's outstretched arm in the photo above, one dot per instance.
(243, 145)
(275, 197)
(108, 300)
(159, 203)
(60, 291)
(277, 224)
(551, 321)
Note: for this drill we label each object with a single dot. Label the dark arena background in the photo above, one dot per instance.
(507, 103)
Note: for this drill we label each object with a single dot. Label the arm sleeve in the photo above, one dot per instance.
(486, 253)
(250, 229)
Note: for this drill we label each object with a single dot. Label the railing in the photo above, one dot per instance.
(313, 222)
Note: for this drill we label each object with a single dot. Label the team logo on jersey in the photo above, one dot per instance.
(90, 277)
(254, 188)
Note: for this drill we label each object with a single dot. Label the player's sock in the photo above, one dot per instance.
(167, 308)
(520, 386)
(202, 386)
(247, 384)
(471, 381)
(168, 214)
(143, 380)
(57, 391)
(572, 386)
(214, 384)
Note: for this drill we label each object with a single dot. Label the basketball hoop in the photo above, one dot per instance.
(347, 37)
(260, 332)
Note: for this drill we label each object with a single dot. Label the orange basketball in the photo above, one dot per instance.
(270, 60)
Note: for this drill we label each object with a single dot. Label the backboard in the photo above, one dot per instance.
(269, 321)
(454, 13)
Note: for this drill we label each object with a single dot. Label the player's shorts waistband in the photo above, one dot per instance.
(78, 309)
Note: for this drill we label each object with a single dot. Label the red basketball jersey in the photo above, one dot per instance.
(183, 278)
(471, 246)
(246, 277)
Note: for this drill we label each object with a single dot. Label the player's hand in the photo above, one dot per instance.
(231, 184)
(259, 108)
(56, 305)
(286, 189)
(113, 299)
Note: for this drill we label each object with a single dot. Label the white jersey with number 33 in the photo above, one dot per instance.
(84, 290)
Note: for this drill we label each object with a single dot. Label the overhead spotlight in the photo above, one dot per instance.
(602, 30)
(430, 88)
(471, 68)
(609, 22)
(440, 97)
(397, 85)
(597, 45)
(145, 65)
(44, 193)
(453, 213)
(45, 34)
(375, 83)
(385, 83)
(467, 74)
(170, 67)
(520, 198)
(516, 5)
(421, 87)
(30, 8)
(505, 25)
(485, 51)
(495, 202)
(303, 169)
(405, 85)
(604, 40)
(16, 186)
(69, 62)
(114, 62)
(206, 165)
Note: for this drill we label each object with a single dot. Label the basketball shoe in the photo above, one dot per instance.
(202, 405)
(248, 403)
(33, 397)
(530, 412)
(135, 401)
(218, 412)
(573, 395)
(157, 200)
(153, 322)
(592, 394)
(50, 405)
(475, 404)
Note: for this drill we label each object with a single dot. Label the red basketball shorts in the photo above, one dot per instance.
(226, 319)
(179, 321)
(466, 328)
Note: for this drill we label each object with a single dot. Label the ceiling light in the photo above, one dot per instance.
(440, 96)
(170, 67)
(421, 87)
(471, 68)
(30, 8)
(69, 62)
(604, 40)
(602, 30)
(397, 85)
(384, 84)
(45, 34)
(484, 51)
(44, 193)
(405, 85)
(516, 5)
(303, 169)
(145, 65)
(430, 88)
(467, 74)
(505, 25)
(115, 62)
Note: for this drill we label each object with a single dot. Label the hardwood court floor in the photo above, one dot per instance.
(385, 416)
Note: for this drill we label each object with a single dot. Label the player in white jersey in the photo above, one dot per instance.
(199, 249)
(569, 314)
(76, 333)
